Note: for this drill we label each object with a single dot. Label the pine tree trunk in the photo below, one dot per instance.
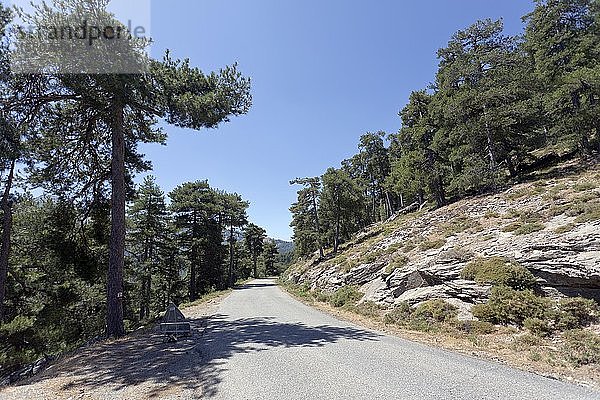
(336, 240)
(148, 295)
(511, 167)
(144, 264)
(6, 231)
(421, 196)
(585, 144)
(373, 206)
(317, 224)
(149, 279)
(441, 193)
(389, 206)
(114, 312)
(490, 146)
(255, 262)
(193, 290)
(231, 254)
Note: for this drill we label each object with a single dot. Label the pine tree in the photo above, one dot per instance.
(269, 257)
(305, 216)
(373, 156)
(234, 211)
(563, 39)
(417, 153)
(56, 278)
(193, 204)
(10, 154)
(147, 228)
(340, 206)
(116, 112)
(484, 105)
(254, 239)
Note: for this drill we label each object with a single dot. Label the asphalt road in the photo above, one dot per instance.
(263, 344)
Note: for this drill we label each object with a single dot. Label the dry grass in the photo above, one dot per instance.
(430, 244)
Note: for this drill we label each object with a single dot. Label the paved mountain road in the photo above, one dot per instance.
(259, 343)
(263, 344)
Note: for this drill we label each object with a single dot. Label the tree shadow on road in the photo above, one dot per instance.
(256, 284)
(192, 365)
(225, 338)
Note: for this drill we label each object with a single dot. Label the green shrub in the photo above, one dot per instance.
(429, 316)
(321, 296)
(458, 225)
(584, 186)
(575, 313)
(369, 258)
(584, 198)
(558, 210)
(491, 214)
(458, 253)
(529, 222)
(564, 229)
(483, 313)
(535, 356)
(508, 306)
(391, 249)
(530, 217)
(511, 213)
(300, 290)
(368, 308)
(525, 342)
(345, 295)
(528, 228)
(498, 271)
(591, 212)
(435, 311)
(347, 265)
(511, 227)
(537, 326)
(422, 325)
(574, 209)
(517, 194)
(408, 247)
(399, 315)
(432, 244)
(581, 347)
(474, 327)
(14, 338)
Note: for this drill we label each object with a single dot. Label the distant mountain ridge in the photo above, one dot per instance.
(284, 247)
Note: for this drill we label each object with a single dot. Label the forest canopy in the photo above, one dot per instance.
(498, 108)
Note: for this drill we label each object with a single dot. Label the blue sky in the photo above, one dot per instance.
(323, 73)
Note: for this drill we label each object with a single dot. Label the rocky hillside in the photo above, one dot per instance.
(550, 225)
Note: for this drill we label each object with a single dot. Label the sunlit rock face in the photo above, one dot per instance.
(551, 227)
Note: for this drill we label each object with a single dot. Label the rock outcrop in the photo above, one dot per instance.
(551, 226)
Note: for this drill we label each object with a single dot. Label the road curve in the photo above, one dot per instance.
(263, 344)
